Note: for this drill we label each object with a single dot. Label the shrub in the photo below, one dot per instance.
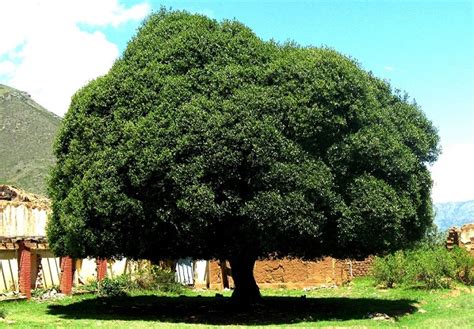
(90, 286)
(430, 268)
(149, 278)
(427, 266)
(166, 280)
(390, 269)
(464, 265)
(157, 278)
(116, 287)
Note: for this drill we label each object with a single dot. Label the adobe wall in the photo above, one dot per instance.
(358, 268)
(22, 219)
(298, 274)
(466, 237)
(290, 273)
(462, 237)
(22, 214)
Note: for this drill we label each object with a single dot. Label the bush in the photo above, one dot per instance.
(90, 286)
(116, 287)
(430, 268)
(149, 278)
(390, 269)
(464, 265)
(166, 280)
(155, 277)
(427, 266)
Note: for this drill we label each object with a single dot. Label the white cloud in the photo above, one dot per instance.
(453, 174)
(45, 52)
(7, 68)
(389, 68)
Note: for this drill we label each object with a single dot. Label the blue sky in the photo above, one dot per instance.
(422, 47)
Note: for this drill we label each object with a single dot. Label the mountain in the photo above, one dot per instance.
(27, 132)
(454, 214)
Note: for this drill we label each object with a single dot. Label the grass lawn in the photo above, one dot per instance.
(339, 307)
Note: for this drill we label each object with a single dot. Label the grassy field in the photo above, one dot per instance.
(349, 306)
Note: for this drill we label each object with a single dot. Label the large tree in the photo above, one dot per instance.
(205, 141)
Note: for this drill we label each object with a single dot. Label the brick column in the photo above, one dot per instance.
(101, 268)
(67, 273)
(24, 275)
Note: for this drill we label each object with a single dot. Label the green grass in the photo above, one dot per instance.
(347, 306)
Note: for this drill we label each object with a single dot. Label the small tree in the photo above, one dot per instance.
(205, 141)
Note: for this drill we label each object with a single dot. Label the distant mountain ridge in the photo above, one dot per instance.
(27, 132)
(450, 214)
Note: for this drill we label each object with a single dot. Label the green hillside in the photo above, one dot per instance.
(27, 131)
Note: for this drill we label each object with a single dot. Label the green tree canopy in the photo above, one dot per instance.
(205, 141)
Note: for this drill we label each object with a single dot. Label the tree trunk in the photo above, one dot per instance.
(246, 291)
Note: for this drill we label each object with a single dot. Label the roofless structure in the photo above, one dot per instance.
(23, 249)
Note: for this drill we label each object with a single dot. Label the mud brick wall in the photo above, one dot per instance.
(361, 267)
(466, 237)
(453, 238)
(463, 237)
(220, 275)
(296, 273)
(285, 273)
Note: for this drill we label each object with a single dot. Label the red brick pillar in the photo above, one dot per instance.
(24, 270)
(67, 272)
(101, 268)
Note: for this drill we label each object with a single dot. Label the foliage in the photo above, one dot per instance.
(390, 270)
(433, 238)
(156, 278)
(464, 265)
(26, 133)
(205, 141)
(114, 287)
(152, 278)
(3, 313)
(426, 266)
(430, 268)
(90, 286)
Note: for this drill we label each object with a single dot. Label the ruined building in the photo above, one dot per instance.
(462, 237)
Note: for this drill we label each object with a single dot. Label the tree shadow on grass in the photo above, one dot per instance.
(221, 311)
